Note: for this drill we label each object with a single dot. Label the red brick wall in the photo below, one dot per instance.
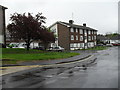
(63, 36)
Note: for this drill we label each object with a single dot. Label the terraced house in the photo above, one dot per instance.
(72, 37)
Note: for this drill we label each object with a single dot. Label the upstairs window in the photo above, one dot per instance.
(95, 32)
(89, 32)
(71, 45)
(76, 30)
(72, 37)
(81, 31)
(89, 38)
(81, 38)
(71, 30)
(95, 37)
(92, 32)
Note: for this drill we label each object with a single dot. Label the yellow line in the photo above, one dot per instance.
(48, 65)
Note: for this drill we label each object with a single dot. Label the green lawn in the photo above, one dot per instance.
(13, 56)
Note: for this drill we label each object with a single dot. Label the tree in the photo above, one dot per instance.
(49, 36)
(27, 28)
(110, 35)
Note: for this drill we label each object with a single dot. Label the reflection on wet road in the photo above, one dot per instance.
(100, 74)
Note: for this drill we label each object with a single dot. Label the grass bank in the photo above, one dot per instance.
(13, 55)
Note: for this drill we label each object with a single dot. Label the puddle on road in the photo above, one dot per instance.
(45, 73)
(24, 76)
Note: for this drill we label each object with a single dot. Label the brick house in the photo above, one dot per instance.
(72, 37)
(2, 25)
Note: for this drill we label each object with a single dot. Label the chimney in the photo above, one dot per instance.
(71, 21)
(84, 24)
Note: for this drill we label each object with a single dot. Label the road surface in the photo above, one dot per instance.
(103, 73)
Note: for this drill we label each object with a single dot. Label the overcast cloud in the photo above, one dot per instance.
(99, 14)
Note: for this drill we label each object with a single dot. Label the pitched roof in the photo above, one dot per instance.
(72, 25)
(3, 7)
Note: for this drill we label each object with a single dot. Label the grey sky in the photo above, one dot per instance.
(99, 14)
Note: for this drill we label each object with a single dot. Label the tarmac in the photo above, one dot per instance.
(84, 56)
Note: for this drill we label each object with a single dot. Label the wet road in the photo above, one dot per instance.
(103, 73)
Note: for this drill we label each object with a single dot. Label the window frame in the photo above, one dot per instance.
(80, 31)
(71, 30)
(72, 37)
(81, 37)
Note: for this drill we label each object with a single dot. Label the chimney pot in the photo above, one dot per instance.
(71, 21)
(84, 24)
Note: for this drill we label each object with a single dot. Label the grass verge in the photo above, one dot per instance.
(13, 55)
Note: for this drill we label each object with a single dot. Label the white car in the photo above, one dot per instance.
(58, 48)
(109, 45)
(22, 45)
(13, 45)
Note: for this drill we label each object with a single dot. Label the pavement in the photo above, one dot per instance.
(84, 56)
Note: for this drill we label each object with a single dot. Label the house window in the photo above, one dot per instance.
(71, 45)
(89, 32)
(71, 30)
(89, 38)
(81, 31)
(82, 45)
(76, 30)
(74, 44)
(54, 30)
(95, 37)
(81, 38)
(76, 37)
(79, 45)
(72, 37)
(95, 32)
(92, 32)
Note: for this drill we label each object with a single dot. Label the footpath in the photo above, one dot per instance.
(84, 56)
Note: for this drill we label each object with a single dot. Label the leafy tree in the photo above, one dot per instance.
(29, 28)
(110, 35)
(49, 36)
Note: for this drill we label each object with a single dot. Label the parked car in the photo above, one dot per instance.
(38, 48)
(58, 48)
(109, 45)
(13, 45)
(100, 45)
(22, 45)
(116, 44)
